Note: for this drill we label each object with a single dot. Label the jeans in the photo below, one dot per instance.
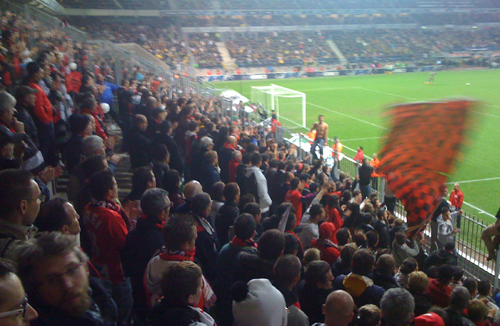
(321, 143)
(122, 295)
(365, 191)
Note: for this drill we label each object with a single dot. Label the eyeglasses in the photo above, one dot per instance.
(41, 197)
(72, 273)
(17, 312)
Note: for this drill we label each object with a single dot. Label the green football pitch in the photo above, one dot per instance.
(353, 105)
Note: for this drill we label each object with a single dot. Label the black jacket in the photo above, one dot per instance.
(140, 147)
(365, 174)
(172, 315)
(224, 220)
(160, 170)
(140, 246)
(385, 281)
(250, 266)
(73, 149)
(24, 116)
(440, 257)
(311, 299)
(206, 249)
(176, 161)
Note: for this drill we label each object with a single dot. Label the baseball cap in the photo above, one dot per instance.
(326, 229)
(429, 319)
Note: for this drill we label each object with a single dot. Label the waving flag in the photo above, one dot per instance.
(420, 152)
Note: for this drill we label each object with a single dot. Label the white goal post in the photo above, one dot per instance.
(269, 98)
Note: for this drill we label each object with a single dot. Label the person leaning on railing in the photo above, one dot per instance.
(489, 237)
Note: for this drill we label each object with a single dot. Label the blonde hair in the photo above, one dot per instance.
(310, 255)
(418, 282)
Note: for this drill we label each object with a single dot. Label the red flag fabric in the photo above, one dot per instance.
(420, 152)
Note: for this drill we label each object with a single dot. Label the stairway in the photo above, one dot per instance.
(337, 51)
(227, 61)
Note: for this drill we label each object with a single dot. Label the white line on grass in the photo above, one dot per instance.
(471, 181)
(327, 89)
(479, 209)
(367, 138)
(345, 115)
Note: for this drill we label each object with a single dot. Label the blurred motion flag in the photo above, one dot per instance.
(420, 152)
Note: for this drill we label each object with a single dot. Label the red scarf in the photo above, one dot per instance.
(229, 145)
(244, 243)
(178, 255)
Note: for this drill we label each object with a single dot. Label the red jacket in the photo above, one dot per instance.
(334, 217)
(107, 230)
(329, 252)
(73, 82)
(439, 293)
(43, 108)
(294, 196)
(359, 156)
(233, 164)
(457, 198)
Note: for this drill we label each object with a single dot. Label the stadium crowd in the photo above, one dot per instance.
(223, 223)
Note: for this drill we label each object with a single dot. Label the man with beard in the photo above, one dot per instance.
(55, 274)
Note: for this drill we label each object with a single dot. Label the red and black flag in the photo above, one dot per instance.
(420, 152)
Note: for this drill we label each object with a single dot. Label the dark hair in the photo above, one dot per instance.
(400, 238)
(458, 273)
(180, 281)
(291, 222)
(346, 255)
(178, 230)
(271, 244)
(362, 262)
(200, 203)
(372, 238)
(315, 210)
(342, 236)
(172, 179)
(246, 199)
(231, 190)
(78, 123)
(287, 268)
(159, 152)
(246, 158)
(100, 183)
(217, 191)
(15, 186)
(252, 209)
(142, 176)
(346, 195)
(153, 202)
(256, 158)
(445, 273)
(408, 265)
(92, 165)
(483, 287)
(294, 183)
(470, 284)
(244, 226)
(291, 244)
(385, 264)
(316, 272)
(52, 216)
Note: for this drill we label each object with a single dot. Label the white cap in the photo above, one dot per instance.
(264, 305)
(105, 107)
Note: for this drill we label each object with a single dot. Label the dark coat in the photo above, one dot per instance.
(384, 281)
(440, 257)
(209, 176)
(140, 246)
(24, 116)
(224, 220)
(422, 303)
(160, 170)
(169, 315)
(312, 299)
(225, 155)
(73, 150)
(140, 147)
(250, 266)
(49, 316)
(206, 250)
(176, 161)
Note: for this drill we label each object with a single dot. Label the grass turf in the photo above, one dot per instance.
(352, 106)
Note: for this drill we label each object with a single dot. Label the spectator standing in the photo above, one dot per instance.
(140, 143)
(314, 290)
(227, 213)
(457, 200)
(262, 194)
(397, 306)
(364, 176)
(107, 228)
(321, 128)
(439, 289)
(338, 309)
(19, 207)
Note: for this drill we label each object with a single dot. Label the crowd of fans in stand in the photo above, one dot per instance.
(223, 223)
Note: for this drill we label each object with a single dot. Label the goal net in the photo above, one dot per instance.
(289, 105)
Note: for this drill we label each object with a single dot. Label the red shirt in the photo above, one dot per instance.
(107, 231)
(233, 164)
(73, 82)
(294, 196)
(457, 198)
(43, 108)
(359, 156)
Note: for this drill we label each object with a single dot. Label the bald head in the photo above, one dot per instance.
(192, 188)
(151, 102)
(232, 140)
(338, 308)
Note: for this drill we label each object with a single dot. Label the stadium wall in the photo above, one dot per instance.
(312, 74)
